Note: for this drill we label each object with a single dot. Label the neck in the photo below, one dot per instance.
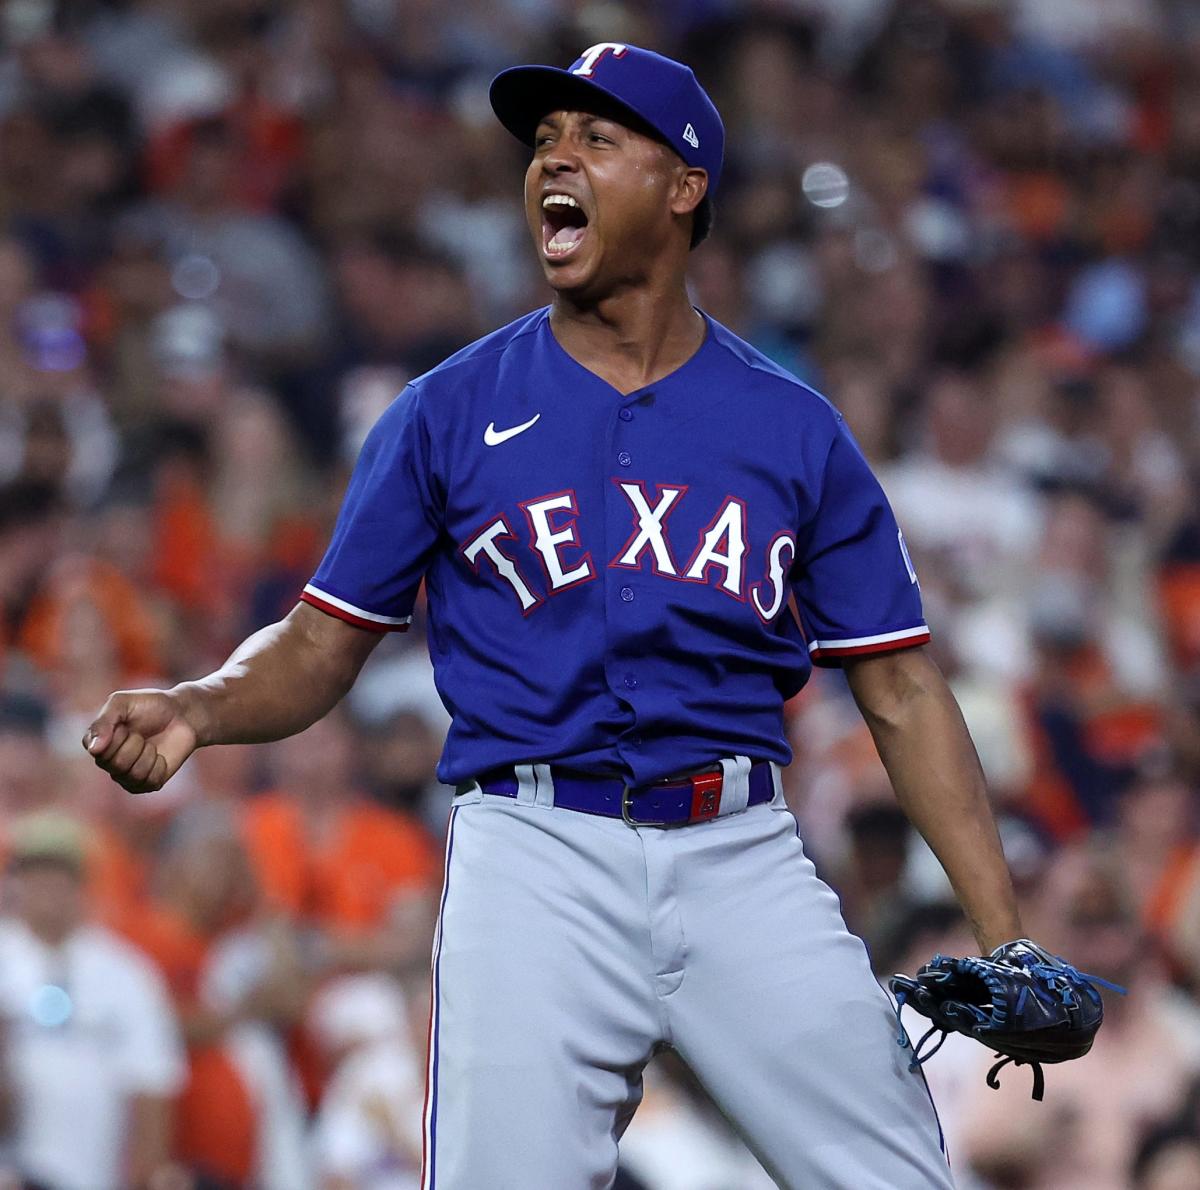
(631, 338)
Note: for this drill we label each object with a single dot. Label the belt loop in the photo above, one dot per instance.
(735, 784)
(526, 784)
(777, 782)
(543, 785)
(467, 793)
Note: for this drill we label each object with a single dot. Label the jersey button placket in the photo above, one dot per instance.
(623, 594)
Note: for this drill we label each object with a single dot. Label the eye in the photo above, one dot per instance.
(542, 140)
(600, 137)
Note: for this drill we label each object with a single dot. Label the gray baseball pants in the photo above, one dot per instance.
(571, 947)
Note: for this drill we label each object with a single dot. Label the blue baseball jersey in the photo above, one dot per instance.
(620, 583)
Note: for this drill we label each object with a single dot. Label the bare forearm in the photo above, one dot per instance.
(278, 681)
(927, 751)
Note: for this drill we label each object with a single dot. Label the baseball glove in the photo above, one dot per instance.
(1026, 1004)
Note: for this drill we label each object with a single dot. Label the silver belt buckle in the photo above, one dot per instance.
(626, 807)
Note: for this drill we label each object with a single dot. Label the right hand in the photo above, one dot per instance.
(141, 738)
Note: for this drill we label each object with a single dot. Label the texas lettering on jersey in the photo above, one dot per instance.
(718, 557)
(618, 582)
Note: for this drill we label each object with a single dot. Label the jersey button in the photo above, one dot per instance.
(626, 415)
(627, 594)
(630, 682)
(624, 458)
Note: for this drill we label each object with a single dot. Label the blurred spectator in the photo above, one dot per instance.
(368, 1129)
(1168, 1159)
(364, 875)
(237, 978)
(982, 525)
(1144, 1059)
(89, 1051)
(670, 1145)
(27, 767)
(402, 726)
(870, 880)
(1156, 831)
(262, 278)
(29, 526)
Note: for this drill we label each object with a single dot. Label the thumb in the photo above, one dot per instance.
(100, 732)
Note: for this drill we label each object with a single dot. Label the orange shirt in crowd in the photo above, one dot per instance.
(110, 595)
(347, 881)
(187, 546)
(1179, 594)
(1116, 730)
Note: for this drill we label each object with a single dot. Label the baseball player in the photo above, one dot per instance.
(637, 535)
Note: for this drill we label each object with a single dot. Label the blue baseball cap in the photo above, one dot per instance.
(651, 93)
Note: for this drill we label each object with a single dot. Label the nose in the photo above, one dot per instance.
(562, 157)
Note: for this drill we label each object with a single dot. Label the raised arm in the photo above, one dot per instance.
(927, 751)
(278, 681)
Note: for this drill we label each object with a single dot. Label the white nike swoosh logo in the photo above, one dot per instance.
(493, 436)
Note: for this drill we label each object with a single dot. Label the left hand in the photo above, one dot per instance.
(1021, 1001)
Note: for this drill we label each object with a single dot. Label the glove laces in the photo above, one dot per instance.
(918, 1059)
(1039, 1079)
(1066, 980)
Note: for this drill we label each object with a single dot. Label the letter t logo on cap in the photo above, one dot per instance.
(593, 54)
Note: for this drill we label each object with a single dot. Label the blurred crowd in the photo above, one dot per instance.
(230, 231)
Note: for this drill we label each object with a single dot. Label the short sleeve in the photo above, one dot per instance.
(387, 528)
(855, 585)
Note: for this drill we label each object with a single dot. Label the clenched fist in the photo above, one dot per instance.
(140, 738)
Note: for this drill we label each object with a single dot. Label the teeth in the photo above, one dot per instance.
(564, 241)
(560, 200)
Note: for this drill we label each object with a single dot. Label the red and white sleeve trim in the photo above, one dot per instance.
(880, 643)
(357, 616)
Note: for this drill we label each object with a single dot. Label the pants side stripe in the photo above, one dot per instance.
(429, 1150)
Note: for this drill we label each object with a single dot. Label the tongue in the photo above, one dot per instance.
(566, 237)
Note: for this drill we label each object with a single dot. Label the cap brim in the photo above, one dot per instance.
(524, 95)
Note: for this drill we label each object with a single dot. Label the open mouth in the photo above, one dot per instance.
(564, 225)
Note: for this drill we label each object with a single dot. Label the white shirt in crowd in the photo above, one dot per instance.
(368, 1130)
(85, 1028)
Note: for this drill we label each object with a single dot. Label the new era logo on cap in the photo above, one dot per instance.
(689, 135)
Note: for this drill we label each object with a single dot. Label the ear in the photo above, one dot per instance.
(690, 189)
